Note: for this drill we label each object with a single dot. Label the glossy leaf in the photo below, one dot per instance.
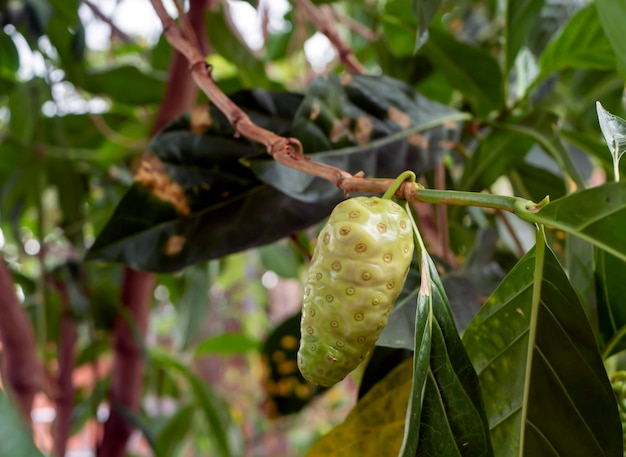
(472, 71)
(581, 43)
(207, 199)
(374, 426)
(597, 215)
(537, 360)
(15, 437)
(453, 420)
(610, 293)
(374, 124)
(611, 14)
(286, 389)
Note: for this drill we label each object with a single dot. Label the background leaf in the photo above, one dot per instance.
(581, 43)
(611, 16)
(470, 70)
(552, 387)
(286, 389)
(374, 426)
(519, 19)
(611, 293)
(15, 438)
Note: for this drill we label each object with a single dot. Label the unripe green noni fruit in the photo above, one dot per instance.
(361, 260)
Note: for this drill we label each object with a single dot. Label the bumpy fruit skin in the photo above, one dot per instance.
(361, 260)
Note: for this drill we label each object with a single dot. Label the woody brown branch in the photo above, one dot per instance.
(323, 20)
(21, 367)
(287, 151)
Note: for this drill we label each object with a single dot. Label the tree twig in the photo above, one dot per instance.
(114, 28)
(288, 151)
(323, 19)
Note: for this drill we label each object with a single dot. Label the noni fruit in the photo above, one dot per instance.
(361, 260)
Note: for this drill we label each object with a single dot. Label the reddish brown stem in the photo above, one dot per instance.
(137, 288)
(22, 369)
(65, 387)
(323, 20)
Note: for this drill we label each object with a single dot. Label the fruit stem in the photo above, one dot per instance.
(404, 176)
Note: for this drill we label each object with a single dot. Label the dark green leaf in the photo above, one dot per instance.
(399, 28)
(499, 152)
(212, 198)
(25, 107)
(520, 17)
(125, 84)
(580, 44)
(611, 290)
(597, 215)
(15, 438)
(286, 389)
(611, 14)
(537, 361)
(228, 344)
(451, 420)
(472, 71)
(9, 58)
(373, 124)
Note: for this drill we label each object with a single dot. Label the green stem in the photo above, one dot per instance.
(615, 339)
(540, 252)
(405, 175)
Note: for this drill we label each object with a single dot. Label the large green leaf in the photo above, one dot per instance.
(611, 296)
(206, 204)
(611, 14)
(15, 439)
(374, 124)
(469, 69)
(581, 43)
(597, 215)
(537, 360)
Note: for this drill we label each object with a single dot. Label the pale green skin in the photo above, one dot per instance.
(361, 260)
